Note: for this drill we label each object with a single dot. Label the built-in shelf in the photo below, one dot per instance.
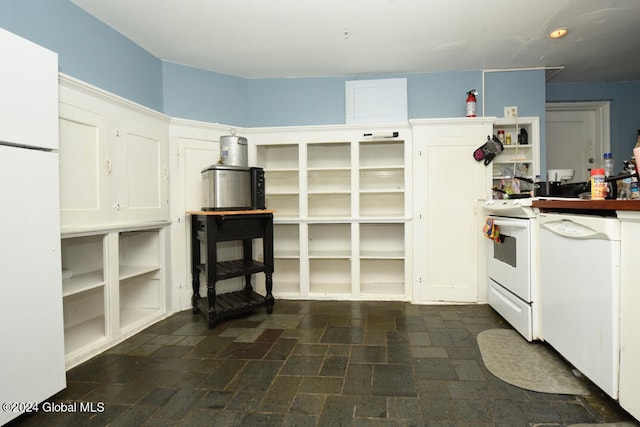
(516, 160)
(342, 212)
(84, 319)
(82, 282)
(105, 300)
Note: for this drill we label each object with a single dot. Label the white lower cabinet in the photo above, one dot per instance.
(629, 389)
(113, 286)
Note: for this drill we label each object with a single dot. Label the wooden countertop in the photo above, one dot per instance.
(587, 205)
(220, 213)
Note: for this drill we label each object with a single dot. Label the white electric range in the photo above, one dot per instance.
(513, 286)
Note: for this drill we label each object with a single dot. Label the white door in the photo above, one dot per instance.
(449, 188)
(193, 149)
(577, 135)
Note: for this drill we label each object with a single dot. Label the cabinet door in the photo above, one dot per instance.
(29, 88)
(450, 187)
(84, 167)
(197, 149)
(629, 314)
(140, 173)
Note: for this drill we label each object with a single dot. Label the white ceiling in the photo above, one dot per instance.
(322, 38)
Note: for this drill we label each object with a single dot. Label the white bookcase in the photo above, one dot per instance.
(105, 302)
(343, 213)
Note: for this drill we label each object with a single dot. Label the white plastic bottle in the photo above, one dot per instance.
(607, 164)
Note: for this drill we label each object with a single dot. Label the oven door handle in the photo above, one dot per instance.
(511, 223)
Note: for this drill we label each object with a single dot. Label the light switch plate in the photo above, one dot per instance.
(511, 112)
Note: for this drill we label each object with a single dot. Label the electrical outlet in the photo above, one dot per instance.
(511, 112)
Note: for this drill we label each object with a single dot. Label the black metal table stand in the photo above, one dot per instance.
(209, 228)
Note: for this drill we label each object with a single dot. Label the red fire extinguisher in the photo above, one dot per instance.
(471, 103)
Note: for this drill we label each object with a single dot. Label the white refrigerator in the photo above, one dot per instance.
(32, 366)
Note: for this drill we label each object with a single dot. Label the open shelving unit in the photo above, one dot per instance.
(517, 159)
(113, 286)
(282, 172)
(84, 292)
(139, 281)
(342, 212)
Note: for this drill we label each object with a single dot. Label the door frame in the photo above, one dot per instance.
(602, 110)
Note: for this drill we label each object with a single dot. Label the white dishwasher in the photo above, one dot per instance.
(580, 293)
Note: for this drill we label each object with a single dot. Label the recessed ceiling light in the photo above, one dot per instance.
(558, 33)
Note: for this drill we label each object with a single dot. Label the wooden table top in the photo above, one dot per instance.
(222, 213)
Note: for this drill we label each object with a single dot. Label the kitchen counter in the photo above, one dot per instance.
(586, 206)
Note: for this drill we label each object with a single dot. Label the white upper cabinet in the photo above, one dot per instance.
(84, 167)
(113, 160)
(30, 74)
(141, 172)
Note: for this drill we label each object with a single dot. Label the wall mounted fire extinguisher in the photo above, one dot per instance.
(471, 103)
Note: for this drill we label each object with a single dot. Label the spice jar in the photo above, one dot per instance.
(501, 135)
(598, 185)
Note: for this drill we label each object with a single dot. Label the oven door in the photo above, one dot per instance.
(509, 262)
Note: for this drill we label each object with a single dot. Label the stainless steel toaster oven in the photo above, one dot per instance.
(227, 187)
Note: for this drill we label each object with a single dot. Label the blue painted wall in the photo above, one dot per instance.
(440, 95)
(524, 89)
(91, 51)
(87, 49)
(303, 101)
(625, 109)
(190, 93)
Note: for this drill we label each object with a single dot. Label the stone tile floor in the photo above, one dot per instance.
(312, 363)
